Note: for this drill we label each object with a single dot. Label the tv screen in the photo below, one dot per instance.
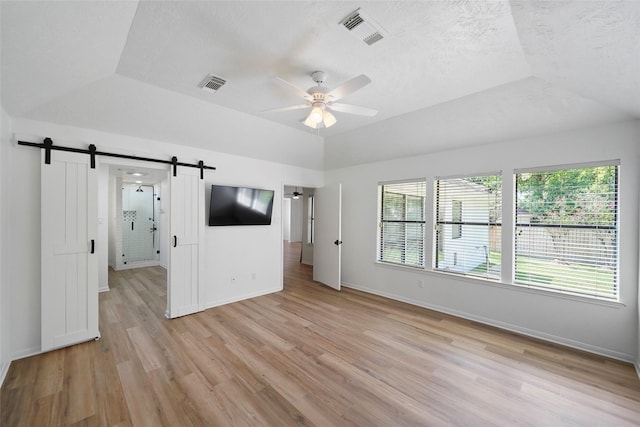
(240, 206)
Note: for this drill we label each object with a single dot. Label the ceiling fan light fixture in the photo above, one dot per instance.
(322, 100)
(311, 123)
(316, 114)
(328, 119)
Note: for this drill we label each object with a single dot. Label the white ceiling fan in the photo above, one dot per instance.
(322, 100)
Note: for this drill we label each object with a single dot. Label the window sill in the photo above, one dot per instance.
(508, 286)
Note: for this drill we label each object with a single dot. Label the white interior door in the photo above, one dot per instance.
(69, 197)
(185, 255)
(327, 244)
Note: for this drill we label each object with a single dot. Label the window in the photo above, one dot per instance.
(567, 230)
(401, 223)
(468, 225)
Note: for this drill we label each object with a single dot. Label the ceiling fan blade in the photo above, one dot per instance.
(290, 108)
(296, 90)
(348, 87)
(353, 109)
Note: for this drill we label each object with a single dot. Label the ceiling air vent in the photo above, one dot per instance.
(362, 27)
(212, 83)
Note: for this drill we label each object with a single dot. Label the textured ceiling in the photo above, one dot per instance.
(447, 73)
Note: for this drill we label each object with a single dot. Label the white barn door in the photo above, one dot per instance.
(185, 255)
(69, 260)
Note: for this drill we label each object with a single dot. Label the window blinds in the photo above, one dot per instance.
(401, 223)
(567, 230)
(468, 225)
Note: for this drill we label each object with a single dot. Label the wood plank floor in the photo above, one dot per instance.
(308, 356)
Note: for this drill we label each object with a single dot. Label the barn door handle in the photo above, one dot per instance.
(175, 241)
(337, 242)
(131, 225)
(93, 246)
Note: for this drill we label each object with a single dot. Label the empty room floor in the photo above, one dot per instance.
(309, 355)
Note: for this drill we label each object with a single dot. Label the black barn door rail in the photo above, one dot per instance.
(47, 145)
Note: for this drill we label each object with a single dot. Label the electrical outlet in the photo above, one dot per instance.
(253, 276)
(420, 283)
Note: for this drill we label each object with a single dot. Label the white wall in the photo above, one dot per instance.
(610, 329)
(296, 220)
(286, 219)
(165, 203)
(252, 254)
(22, 238)
(5, 136)
(307, 248)
(103, 230)
(114, 209)
(113, 185)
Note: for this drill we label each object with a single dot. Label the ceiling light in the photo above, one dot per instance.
(138, 182)
(316, 113)
(319, 117)
(328, 119)
(311, 123)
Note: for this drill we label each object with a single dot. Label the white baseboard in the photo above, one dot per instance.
(27, 353)
(506, 326)
(136, 264)
(637, 365)
(4, 369)
(240, 298)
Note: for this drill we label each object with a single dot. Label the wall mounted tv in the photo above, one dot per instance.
(240, 206)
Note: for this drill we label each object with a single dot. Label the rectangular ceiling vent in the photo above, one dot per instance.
(363, 27)
(212, 83)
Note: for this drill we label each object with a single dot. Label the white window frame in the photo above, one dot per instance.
(380, 250)
(520, 227)
(451, 263)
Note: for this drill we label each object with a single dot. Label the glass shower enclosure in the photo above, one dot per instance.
(139, 226)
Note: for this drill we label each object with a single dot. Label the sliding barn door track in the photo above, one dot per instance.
(92, 151)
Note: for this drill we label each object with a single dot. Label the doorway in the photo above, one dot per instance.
(137, 223)
(138, 197)
(140, 225)
(298, 222)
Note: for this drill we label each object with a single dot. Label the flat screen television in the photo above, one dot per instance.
(240, 206)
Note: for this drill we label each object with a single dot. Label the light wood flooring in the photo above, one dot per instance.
(309, 356)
